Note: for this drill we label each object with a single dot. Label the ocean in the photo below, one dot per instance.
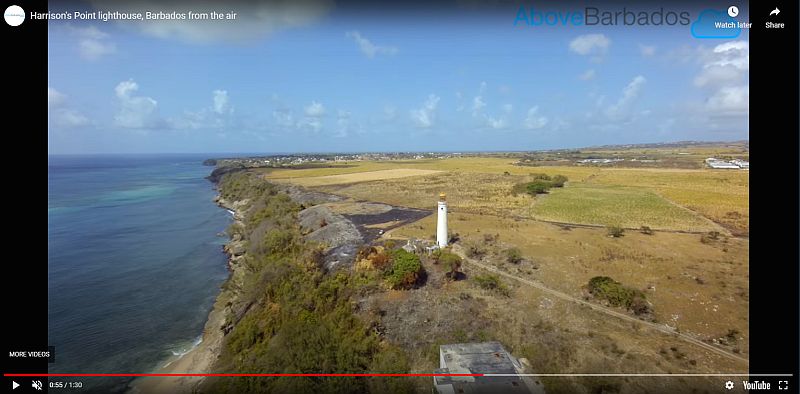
(135, 261)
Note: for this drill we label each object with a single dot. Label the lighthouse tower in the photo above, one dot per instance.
(441, 226)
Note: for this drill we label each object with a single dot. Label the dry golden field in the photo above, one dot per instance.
(356, 177)
(686, 200)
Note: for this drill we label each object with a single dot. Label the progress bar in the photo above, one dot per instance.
(393, 374)
(333, 375)
(657, 375)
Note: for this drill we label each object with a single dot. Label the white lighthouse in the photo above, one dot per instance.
(441, 226)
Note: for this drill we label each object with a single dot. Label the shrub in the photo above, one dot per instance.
(540, 177)
(646, 230)
(537, 187)
(559, 181)
(475, 250)
(513, 255)
(605, 288)
(405, 270)
(615, 231)
(709, 237)
(453, 238)
(451, 261)
(492, 283)
(490, 239)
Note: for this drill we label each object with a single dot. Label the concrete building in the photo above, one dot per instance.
(441, 225)
(722, 164)
(483, 358)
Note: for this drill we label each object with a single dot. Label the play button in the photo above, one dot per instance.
(14, 385)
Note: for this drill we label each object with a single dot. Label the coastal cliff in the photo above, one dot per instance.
(288, 306)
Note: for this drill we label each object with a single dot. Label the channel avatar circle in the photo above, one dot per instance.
(14, 15)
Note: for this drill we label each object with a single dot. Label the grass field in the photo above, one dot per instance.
(720, 195)
(624, 206)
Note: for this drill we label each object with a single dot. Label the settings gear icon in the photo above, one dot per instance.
(729, 385)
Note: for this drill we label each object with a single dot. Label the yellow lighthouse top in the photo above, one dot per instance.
(442, 196)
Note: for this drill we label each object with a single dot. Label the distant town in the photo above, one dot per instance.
(689, 154)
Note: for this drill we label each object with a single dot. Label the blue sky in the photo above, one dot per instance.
(323, 78)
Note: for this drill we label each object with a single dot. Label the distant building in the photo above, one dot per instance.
(484, 358)
(722, 164)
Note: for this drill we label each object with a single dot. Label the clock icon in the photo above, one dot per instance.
(733, 11)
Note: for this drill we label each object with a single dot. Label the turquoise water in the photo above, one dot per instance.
(135, 261)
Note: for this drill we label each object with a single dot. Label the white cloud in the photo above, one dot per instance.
(730, 101)
(477, 105)
(724, 77)
(534, 120)
(621, 109)
(55, 98)
(135, 112)
(496, 123)
(590, 44)
(254, 20)
(647, 50)
(92, 42)
(725, 64)
(315, 110)
(346, 124)
(60, 114)
(312, 124)
(218, 115)
(587, 75)
(222, 102)
(425, 117)
(283, 117)
(368, 48)
(93, 49)
(70, 118)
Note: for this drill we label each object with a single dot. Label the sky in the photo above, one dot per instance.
(317, 76)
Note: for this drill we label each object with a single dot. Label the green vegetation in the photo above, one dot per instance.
(492, 283)
(405, 271)
(615, 205)
(452, 261)
(540, 184)
(605, 288)
(615, 231)
(289, 316)
(513, 255)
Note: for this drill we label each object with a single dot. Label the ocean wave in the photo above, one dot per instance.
(182, 350)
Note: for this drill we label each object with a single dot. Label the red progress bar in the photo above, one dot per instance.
(238, 374)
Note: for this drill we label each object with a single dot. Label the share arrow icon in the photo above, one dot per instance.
(776, 11)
